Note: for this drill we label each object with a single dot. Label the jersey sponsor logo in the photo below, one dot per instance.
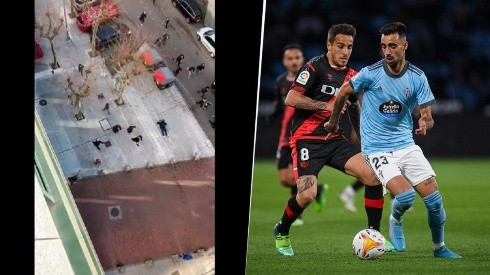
(330, 90)
(390, 108)
(303, 77)
(304, 164)
(329, 76)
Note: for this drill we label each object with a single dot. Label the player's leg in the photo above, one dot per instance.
(422, 176)
(286, 175)
(306, 169)
(348, 194)
(349, 160)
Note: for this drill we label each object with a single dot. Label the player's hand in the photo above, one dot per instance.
(331, 127)
(422, 130)
(330, 105)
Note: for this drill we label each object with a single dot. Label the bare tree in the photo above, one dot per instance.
(77, 94)
(124, 62)
(51, 32)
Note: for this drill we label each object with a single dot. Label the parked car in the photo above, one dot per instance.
(106, 35)
(206, 36)
(190, 9)
(84, 20)
(152, 59)
(38, 52)
(163, 77)
(79, 5)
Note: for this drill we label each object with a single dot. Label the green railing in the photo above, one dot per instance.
(64, 211)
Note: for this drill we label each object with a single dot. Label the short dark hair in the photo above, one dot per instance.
(394, 27)
(346, 29)
(292, 46)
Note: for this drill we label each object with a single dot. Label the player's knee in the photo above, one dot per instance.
(307, 188)
(286, 179)
(406, 199)
(370, 179)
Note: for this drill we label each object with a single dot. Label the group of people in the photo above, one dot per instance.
(317, 93)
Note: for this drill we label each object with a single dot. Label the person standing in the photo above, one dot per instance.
(130, 129)
(166, 23)
(106, 108)
(97, 143)
(80, 68)
(179, 59)
(312, 94)
(199, 68)
(392, 88)
(191, 69)
(177, 71)
(142, 17)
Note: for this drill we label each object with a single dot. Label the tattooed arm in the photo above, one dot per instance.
(299, 101)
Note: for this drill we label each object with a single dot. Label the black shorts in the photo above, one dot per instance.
(310, 155)
(283, 157)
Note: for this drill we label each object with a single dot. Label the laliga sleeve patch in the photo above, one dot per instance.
(303, 77)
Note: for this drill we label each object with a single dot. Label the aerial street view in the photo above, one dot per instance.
(124, 137)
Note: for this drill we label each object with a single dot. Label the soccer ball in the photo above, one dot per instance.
(368, 244)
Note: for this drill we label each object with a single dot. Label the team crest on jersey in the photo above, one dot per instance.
(329, 76)
(303, 77)
(390, 109)
(304, 164)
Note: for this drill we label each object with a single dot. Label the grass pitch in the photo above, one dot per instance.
(323, 244)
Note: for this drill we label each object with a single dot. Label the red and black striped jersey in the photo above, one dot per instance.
(321, 82)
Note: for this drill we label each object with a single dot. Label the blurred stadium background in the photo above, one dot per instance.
(449, 40)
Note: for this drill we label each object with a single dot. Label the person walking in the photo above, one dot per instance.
(137, 139)
(153, 2)
(165, 38)
(80, 68)
(163, 127)
(200, 67)
(106, 108)
(202, 102)
(177, 71)
(204, 91)
(158, 42)
(179, 59)
(191, 69)
(142, 17)
(166, 23)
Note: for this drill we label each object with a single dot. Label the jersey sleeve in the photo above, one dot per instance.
(360, 81)
(424, 93)
(305, 78)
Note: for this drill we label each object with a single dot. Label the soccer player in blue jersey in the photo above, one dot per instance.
(392, 88)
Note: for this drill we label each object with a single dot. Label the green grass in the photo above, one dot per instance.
(323, 244)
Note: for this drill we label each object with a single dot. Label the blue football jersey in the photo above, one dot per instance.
(387, 105)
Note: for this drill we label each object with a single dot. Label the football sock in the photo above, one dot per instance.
(292, 211)
(437, 216)
(373, 203)
(358, 184)
(401, 203)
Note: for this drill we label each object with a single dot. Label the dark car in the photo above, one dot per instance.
(106, 35)
(190, 9)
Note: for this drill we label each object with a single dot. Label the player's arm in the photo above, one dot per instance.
(426, 122)
(354, 112)
(299, 101)
(345, 91)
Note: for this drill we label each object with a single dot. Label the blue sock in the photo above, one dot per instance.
(436, 216)
(401, 203)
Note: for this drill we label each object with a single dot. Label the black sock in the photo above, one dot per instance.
(373, 203)
(294, 190)
(319, 190)
(356, 185)
(292, 211)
